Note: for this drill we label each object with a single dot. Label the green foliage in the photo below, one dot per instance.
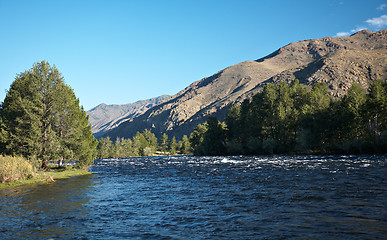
(173, 146)
(42, 119)
(197, 136)
(105, 148)
(184, 145)
(289, 118)
(214, 138)
(143, 144)
(164, 143)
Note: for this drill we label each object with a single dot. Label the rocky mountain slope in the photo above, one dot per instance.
(338, 62)
(106, 117)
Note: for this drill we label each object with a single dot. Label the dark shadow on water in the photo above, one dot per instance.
(45, 211)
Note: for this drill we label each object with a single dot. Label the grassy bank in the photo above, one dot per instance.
(46, 177)
(15, 171)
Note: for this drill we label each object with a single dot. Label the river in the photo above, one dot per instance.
(185, 197)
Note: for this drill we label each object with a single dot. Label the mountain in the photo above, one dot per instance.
(105, 117)
(338, 61)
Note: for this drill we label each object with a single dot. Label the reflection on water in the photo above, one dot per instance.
(307, 197)
(44, 211)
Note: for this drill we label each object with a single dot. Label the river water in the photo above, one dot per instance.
(185, 197)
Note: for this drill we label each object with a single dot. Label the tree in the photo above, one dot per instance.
(43, 118)
(376, 107)
(315, 119)
(151, 140)
(3, 134)
(351, 126)
(267, 104)
(105, 146)
(140, 143)
(214, 138)
(164, 143)
(233, 122)
(184, 145)
(127, 148)
(197, 136)
(173, 146)
(375, 114)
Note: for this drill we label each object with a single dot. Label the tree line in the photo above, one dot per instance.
(291, 118)
(41, 120)
(142, 144)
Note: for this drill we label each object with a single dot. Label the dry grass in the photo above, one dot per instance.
(15, 169)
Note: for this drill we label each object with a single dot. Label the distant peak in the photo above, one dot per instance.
(363, 32)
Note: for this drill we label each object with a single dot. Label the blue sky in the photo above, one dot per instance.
(118, 52)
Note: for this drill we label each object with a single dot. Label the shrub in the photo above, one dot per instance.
(15, 169)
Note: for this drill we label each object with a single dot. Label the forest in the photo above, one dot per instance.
(143, 144)
(291, 118)
(41, 120)
(288, 118)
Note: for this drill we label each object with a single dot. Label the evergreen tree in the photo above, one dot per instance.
(375, 111)
(127, 148)
(3, 134)
(197, 136)
(173, 146)
(289, 118)
(164, 143)
(214, 138)
(315, 120)
(352, 125)
(151, 140)
(376, 107)
(105, 146)
(184, 145)
(268, 103)
(43, 119)
(233, 121)
(140, 143)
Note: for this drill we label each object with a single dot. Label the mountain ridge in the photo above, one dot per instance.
(104, 117)
(337, 61)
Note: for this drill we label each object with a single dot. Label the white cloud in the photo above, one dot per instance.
(374, 24)
(358, 29)
(378, 21)
(382, 7)
(342, 34)
(346, 34)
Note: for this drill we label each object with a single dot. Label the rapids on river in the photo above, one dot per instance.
(187, 197)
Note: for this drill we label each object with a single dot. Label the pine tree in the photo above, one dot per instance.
(3, 134)
(173, 146)
(127, 148)
(43, 119)
(164, 143)
(105, 146)
(184, 145)
(151, 139)
(197, 136)
(214, 138)
(352, 125)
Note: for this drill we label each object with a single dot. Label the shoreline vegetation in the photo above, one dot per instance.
(285, 118)
(17, 171)
(41, 121)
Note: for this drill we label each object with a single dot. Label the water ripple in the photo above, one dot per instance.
(185, 197)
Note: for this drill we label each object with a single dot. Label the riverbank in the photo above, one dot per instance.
(46, 177)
